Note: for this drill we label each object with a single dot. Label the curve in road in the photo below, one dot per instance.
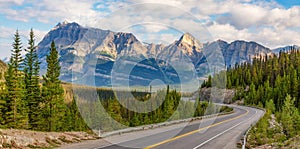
(220, 132)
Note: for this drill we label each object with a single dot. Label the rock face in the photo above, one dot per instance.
(89, 56)
(239, 51)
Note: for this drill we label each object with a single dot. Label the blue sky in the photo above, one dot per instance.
(269, 22)
(288, 3)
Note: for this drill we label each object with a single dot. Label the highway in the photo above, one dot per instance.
(213, 133)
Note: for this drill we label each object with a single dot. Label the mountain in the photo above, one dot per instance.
(88, 55)
(285, 49)
(238, 51)
(98, 57)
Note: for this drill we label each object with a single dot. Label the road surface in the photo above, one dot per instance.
(213, 133)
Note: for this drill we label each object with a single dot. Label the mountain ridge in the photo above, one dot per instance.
(91, 52)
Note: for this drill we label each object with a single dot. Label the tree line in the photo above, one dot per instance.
(268, 78)
(25, 102)
(30, 102)
(271, 82)
(164, 105)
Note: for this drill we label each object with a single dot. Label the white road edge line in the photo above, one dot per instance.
(223, 132)
(188, 124)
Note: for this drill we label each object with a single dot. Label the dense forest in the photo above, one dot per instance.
(164, 105)
(271, 82)
(26, 102)
(46, 104)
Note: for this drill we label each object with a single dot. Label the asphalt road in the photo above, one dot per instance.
(214, 133)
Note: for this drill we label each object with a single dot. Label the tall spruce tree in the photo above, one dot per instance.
(53, 109)
(16, 109)
(31, 71)
(290, 118)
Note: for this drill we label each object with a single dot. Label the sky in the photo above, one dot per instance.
(272, 23)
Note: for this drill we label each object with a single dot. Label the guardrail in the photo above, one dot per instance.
(246, 134)
(152, 126)
(245, 138)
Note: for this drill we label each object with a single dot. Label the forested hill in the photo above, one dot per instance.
(268, 78)
(273, 83)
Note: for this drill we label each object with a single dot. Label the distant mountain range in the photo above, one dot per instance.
(285, 49)
(92, 56)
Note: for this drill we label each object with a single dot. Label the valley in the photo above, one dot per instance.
(98, 81)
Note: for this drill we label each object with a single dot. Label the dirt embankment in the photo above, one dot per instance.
(25, 139)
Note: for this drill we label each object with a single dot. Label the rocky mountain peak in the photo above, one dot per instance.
(83, 50)
(221, 41)
(188, 39)
(63, 24)
(128, 37)
(189, 44)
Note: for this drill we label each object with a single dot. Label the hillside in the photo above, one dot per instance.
(272, 83)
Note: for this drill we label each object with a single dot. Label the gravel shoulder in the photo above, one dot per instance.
(23, 139)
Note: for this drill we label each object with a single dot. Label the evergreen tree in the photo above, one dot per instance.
(31, 71)
(16, 109)
(2, 103)
(53, 107)
(270, 106)
(75, 120)
(290, 117)
(209, 81)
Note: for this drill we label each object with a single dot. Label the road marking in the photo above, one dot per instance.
(224, 132)
(195, 131)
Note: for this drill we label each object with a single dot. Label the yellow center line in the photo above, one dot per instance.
(192, 132)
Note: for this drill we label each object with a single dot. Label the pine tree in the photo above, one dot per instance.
(74, 117)
(31, 71)
(2, 102)
(290, 118)
(16, 109)
(209, 82)
(270, 106)
(53, 107)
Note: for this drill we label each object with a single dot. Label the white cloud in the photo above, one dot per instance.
(263, 21)
(228, 32)
(270, 37)
(6, 32)
(7, 35)
(9, 2)
(250, 15)
(284, 18)
(48, 11)
(4, 49)
(245, 15)
(275, 38)
(165, 2)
